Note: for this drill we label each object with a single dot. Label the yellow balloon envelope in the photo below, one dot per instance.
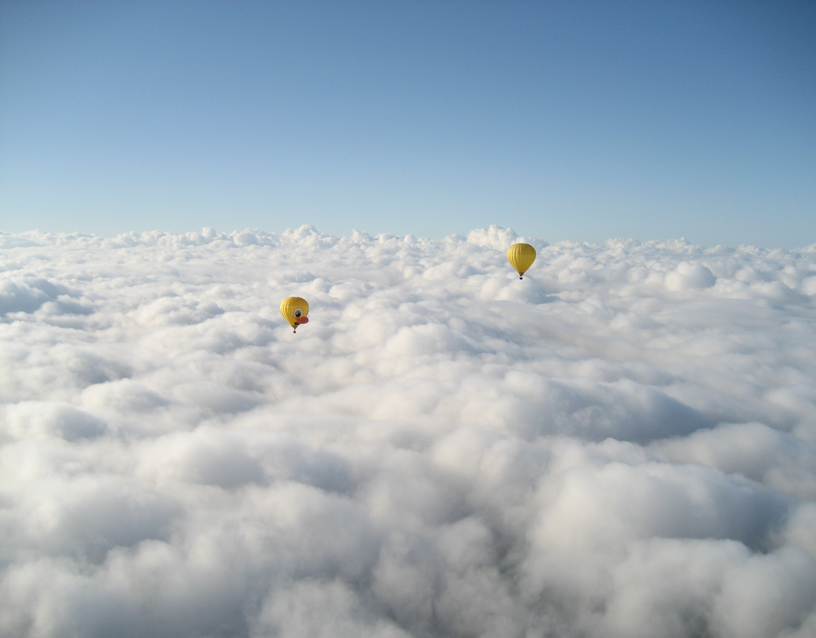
(294, 310)
(521, 257)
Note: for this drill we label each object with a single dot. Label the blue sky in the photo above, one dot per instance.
(562, 120)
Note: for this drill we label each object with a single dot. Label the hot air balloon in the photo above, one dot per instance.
(521, 257)
(294, 310)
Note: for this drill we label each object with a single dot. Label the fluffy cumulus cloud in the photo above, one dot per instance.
(622, 444)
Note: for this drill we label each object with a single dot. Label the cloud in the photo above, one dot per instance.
(620, 444)
(46, 419)
(690, 276)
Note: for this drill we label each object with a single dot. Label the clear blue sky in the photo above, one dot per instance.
(563, 120)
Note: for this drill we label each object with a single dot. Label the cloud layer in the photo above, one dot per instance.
(623, 443)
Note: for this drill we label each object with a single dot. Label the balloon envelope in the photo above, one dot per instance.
(521, 257)
(295, 310)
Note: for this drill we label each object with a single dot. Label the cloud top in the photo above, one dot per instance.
(621, 444)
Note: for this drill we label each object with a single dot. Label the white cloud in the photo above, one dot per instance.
(620, 444)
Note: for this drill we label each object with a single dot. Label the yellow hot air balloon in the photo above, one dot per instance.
(521, 257)
(294, 310)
